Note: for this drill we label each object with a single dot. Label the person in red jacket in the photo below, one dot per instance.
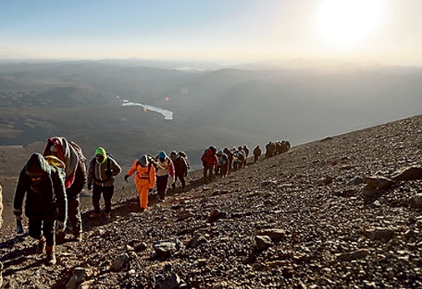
(144, 180)
(209, 162)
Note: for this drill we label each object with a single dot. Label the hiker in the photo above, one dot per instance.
(180, 170)
(210, 163)
(242, 157)
(75, 168)
(46, 202)
(236, 161)
(165, 174)
(270, 149)
(145, 178)
(1, 205)
(1, 223)
(185, 157)
(246, 150)
(285, 146)
(102, 170)
(256, 153)
(229, 154)
(223, 163)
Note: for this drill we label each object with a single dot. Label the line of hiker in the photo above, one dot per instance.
(51, 184)
(276, 148)
(223, 161)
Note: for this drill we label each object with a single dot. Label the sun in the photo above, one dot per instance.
(346, 22)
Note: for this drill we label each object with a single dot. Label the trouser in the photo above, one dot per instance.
(162, 186)
(223, 170)
(208, 171)
(96, 196)
(74, 215)
(73, 201)
(181, 177)
(142, 187)
(38, 228)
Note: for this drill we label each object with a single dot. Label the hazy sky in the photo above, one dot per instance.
(231, 30)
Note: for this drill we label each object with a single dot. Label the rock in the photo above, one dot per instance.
(275, 235)
(268, 184)
(408, 174)
(416, 201)
(79, 275)
(215, 215)
(138, 245)
(379, 234)
(355, 181)
(165, 249)
(184, 215)
(119, 262)
(378, 182)
(355, 255)
(220, 192)
(263, 242)
(196, 241)
(171, 282)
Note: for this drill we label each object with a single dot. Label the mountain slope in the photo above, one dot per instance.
(319, 216)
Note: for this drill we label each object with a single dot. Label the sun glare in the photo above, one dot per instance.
(346, 22)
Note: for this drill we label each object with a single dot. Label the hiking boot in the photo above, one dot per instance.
(95, 215)
(41, 246)
(51, 256)
(107, 216)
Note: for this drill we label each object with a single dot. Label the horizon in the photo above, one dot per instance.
(367, 32)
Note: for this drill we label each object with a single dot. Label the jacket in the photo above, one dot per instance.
(209, 159)
(180, 166)
(102, 174)
(45, 199)
(144, 174)
(165, 168)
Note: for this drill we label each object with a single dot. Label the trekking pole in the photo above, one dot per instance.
(123, 187)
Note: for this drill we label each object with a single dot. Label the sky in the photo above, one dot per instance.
(373, 31)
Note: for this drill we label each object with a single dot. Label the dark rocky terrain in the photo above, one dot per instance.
(342, 212)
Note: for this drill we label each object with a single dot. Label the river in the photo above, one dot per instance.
(168, 115)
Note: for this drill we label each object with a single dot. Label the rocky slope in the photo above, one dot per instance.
(342, 212)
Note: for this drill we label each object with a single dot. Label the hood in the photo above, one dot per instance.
(143, 160)
(162, 155)
(37, 166)
(102, 152)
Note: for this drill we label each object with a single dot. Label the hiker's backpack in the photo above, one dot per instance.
(151, 161)
(57, 163)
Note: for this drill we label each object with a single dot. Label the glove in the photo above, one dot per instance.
(126, 177)
(60, 226)
(108, 173)
(89, 186)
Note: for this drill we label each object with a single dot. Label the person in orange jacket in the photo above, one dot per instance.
(144, 179)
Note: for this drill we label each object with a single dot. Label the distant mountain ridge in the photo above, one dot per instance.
(225, 106)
